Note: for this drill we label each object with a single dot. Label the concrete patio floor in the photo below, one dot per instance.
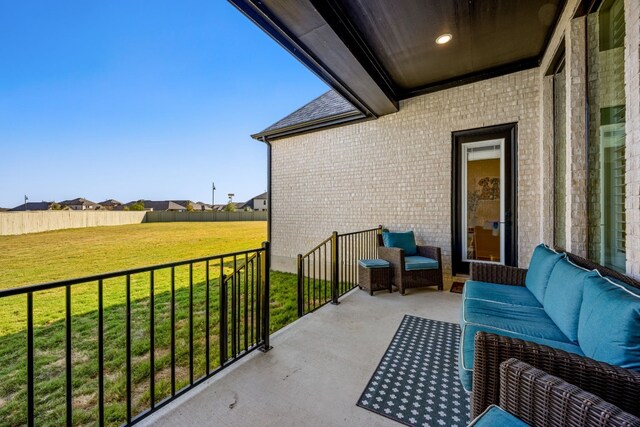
(316, 371)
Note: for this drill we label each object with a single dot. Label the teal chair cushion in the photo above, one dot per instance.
(609, 324)
(506, 294)
(419, 263)
(542, 262)
(405, 240)
(563, 298)
(495, 416)
(374, 263)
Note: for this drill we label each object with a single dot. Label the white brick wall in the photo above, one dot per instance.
(632, 92)
(396, 170)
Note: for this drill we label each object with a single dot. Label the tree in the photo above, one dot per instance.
(229, 207)
(189, 207)
(137, 206)
(56, 206)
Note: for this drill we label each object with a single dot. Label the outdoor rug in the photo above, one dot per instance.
(457, 287)
(416, 382)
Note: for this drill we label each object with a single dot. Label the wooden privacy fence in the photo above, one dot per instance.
(212, 216)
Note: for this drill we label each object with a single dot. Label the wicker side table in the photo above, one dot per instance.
(374, 275)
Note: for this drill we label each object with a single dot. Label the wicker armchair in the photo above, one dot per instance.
(403, 279)
(542, 400)
(613, 384)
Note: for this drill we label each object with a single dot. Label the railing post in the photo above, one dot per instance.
(300, 287)
(266, 298)
(335, 273)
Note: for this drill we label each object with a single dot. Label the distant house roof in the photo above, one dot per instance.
(78, 202)
(260, 196)
(32, 206)
(329, 109)
(161, 205)
(110, 202)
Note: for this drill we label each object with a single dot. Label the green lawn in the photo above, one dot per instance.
(65, 254)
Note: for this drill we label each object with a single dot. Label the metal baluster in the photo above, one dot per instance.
(173, 331)
(30, 364)
(191, 323)
(69, 384)
(206, 319)
(128, 346)
(152, 340)
(100, 355)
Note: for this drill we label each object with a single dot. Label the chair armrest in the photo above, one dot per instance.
(395, 256)
(432, 252)
(495, 273)
(614, 384)
(540, 399)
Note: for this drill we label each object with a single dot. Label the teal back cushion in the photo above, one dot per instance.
(563, 298)
(542, 262)
(405, 240)
(609, 326)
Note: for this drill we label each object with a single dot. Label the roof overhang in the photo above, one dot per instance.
(377, 52)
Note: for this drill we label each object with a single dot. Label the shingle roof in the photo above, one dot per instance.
(78, 201)
(33, 206)
(110, 202)
(326, 107)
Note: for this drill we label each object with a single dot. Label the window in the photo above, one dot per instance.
(606, 135)
(560, 155)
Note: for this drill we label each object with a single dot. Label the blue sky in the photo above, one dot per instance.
(138, 99)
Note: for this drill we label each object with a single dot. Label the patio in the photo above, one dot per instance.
(316, 370)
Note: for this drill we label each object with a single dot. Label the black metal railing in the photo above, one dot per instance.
(230, 296)
(330, 270)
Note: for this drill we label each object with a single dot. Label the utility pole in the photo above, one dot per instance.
(213, 194)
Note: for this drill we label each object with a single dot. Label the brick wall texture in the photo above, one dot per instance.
(397, 170)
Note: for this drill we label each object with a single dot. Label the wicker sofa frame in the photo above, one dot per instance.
(615, 385)
(403, 279)
(542, 400)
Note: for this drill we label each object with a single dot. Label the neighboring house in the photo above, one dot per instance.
(110, 204)
(518, 130)
(258, 203)
(202, 206)
(160, 205)
(80, 204)
(33, 206)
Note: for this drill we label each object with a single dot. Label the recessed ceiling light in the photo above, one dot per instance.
(444, 38)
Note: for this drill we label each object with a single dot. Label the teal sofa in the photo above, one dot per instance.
(562, 302)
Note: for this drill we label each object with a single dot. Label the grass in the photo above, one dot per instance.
(70, 253)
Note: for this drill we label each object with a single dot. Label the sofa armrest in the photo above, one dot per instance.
(615, 385)
(432, 252)
(495, 273)
(538, 398)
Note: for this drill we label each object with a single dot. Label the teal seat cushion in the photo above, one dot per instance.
(609, 324)
(374, 263)
(506, 294)
(404, 240)
(542, 262)
(416, 262)
(495, 416)
(465, 356)
(563, 298)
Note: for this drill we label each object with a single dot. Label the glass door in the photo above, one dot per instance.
(482, 197)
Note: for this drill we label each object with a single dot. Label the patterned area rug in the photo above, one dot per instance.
(416, 382)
